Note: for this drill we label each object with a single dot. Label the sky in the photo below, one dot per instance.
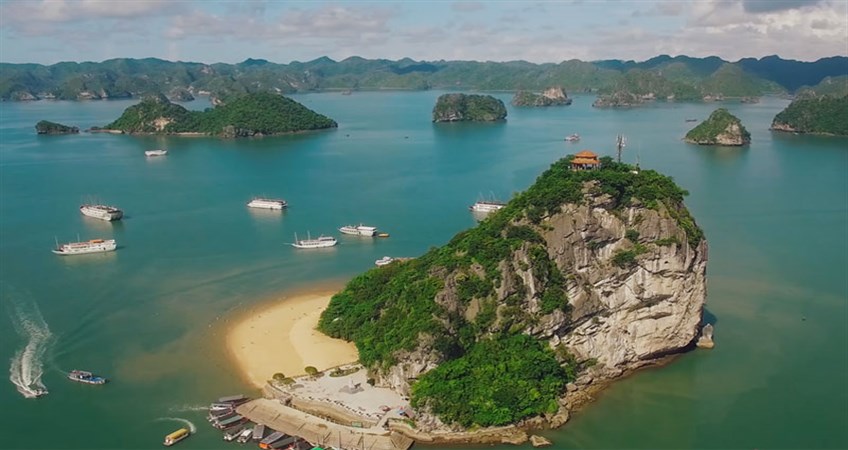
(50, 31)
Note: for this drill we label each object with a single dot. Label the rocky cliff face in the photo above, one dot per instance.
(585, 276)
(621, 315)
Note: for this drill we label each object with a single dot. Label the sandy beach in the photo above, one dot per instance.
(281, 337)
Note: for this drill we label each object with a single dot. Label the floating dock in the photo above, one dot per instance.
(318, 431)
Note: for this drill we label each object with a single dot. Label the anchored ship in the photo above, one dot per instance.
(82, 376)
(359, 230)
(321, 242)
(176, 436)
(81, 248)
(157, 152)
(267, 203)
(486, 206)
(573, 137)
(102, 212)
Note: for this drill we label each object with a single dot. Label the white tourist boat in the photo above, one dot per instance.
(573, 138)
(267, 203)
(384, 261)
(487, 206)
(102, 212)
(359, 230)
(319, 242)
(157, 152)
(81, 248)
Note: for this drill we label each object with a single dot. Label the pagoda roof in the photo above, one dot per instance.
(586, 154)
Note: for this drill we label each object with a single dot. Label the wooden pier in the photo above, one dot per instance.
(318, 431)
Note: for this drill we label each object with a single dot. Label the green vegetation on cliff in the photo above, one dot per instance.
(820, 115)
(491, 373)
(244, 115)
(721, 128)
(468, 108)
(498, 382)
(47, 127)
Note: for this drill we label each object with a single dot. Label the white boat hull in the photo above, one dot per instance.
(84, 248)
(267, 204)
(102, 212)
(360, 230)
(156, 153)
(486, 207)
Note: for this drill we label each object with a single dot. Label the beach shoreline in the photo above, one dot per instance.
(278, 335)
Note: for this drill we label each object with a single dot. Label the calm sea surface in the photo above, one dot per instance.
(151, 316)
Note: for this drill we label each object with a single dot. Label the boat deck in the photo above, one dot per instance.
(319, 431)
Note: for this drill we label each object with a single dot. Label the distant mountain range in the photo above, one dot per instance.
(682, 77)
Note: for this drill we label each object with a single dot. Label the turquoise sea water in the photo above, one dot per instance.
(191, 255)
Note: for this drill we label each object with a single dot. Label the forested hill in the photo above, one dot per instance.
(259, 114)
(685, 76)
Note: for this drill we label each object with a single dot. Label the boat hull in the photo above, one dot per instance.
(107, 213)
(84, 248)
(267, 204)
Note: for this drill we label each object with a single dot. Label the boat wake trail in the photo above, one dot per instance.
(187, 408)
(185, 422)
(27, 365)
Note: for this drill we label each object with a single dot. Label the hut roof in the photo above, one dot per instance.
(586, 154)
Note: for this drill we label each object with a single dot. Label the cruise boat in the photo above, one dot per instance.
(359, 230)
(232, 435)
(82, 376)
(233, 399)
(245, 435)
(487, 206)
(176, 436)
(573, 137)
(384, 261)
(267, 203)
(157, 152)
(320, 242)
(102, 212)
(81, 248)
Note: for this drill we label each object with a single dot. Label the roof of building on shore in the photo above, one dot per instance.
(586, 154)
(584, 161)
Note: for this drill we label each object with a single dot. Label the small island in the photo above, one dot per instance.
(814, 115)
(554, 96)
(248, 115)
(47, 127)
(619, 99)
(527, 315)
(721, 128)
(468, 108)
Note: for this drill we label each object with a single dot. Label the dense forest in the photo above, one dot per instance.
(491, 373)
(468, 107)
(817, 115)
(683, 77)
(240, 115)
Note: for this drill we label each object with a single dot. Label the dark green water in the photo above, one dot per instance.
(151, 315)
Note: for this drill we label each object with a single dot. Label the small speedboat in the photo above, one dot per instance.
(573, 137)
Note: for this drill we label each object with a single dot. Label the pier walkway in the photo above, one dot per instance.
(319, 431)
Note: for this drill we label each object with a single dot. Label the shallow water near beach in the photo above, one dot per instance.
(191, 257)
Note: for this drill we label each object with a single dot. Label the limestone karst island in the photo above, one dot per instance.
(596, 270)
(248, 115)
(721, 128)
(468, 108)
